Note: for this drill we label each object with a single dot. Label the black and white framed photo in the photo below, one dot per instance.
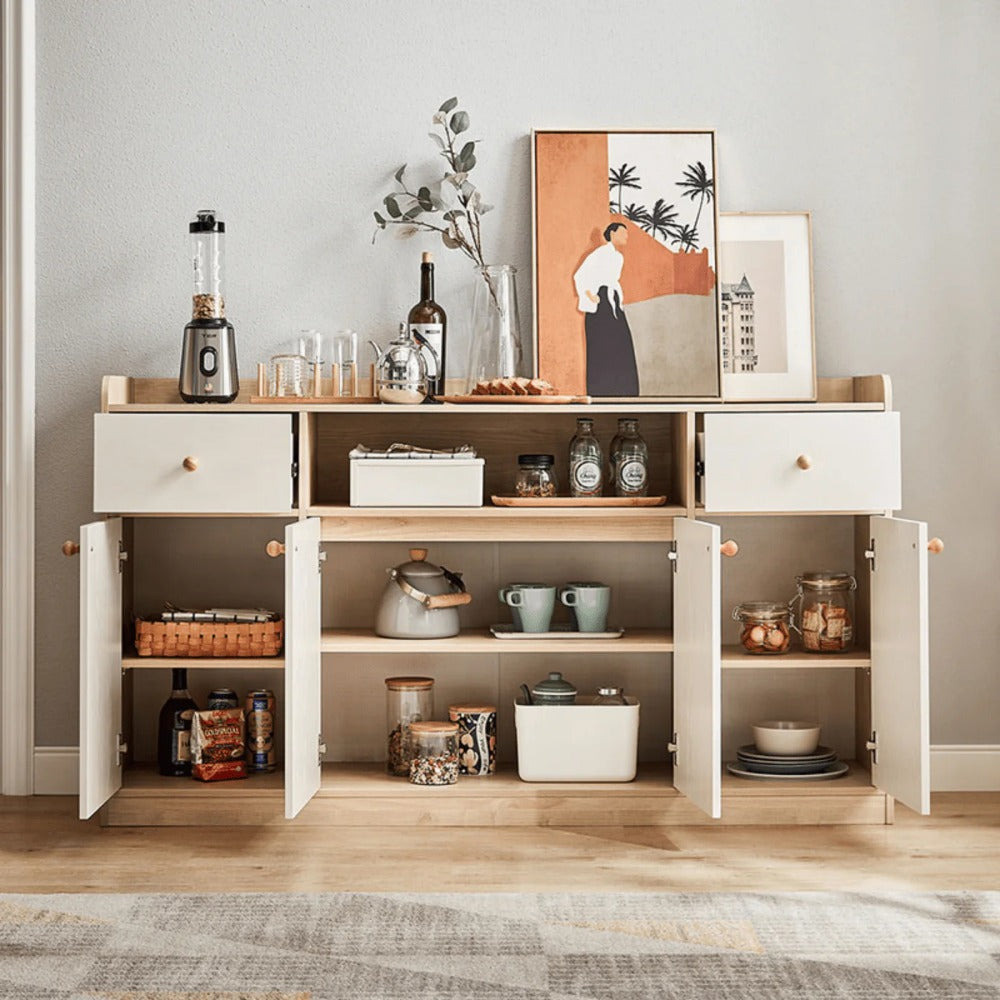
(766, 306)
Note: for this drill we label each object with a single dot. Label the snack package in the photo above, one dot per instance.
(218, 744)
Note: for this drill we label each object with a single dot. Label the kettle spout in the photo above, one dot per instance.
(378, 351)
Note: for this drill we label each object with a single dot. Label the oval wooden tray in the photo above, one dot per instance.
(499, 501)
(514, 399)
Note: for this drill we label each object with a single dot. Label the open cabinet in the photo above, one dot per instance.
(665, 562)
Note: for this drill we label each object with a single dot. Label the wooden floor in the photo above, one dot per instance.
(44, 848)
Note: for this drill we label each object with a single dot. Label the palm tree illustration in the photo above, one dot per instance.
(638, 214)
(697, 184)
(685, 237)
(624, 178)
(660, 221)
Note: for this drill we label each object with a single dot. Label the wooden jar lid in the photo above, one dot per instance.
(471, 709)
(435, 728)
(409, 683)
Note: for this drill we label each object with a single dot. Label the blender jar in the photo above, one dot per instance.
(207, 236)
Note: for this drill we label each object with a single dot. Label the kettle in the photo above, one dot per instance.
(421, 600)
(401, 369)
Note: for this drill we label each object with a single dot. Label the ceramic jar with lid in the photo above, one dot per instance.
(826, 611)
(765, 629)
(554, 690)
(477, 737)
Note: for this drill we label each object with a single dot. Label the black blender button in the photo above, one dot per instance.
(208, 361)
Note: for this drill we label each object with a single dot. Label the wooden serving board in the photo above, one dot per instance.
(535, 400)
(313, 400)
(578, 501)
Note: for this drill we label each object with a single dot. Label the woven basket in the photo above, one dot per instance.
(205, 639)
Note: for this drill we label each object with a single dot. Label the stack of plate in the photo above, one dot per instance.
(821, 763)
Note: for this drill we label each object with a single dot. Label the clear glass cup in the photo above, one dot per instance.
(288, 375)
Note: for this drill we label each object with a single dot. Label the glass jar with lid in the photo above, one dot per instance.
(610, 696)
(536, 476)
(826, 611)
(432, 748)
(764, 627)
(407, 700)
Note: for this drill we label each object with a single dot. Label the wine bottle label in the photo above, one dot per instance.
(433, 334)
(586, 477)
(180, 746)
(632, 475)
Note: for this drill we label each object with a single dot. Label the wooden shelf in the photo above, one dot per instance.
(481, 641)
(502, 524)
(736, 658)
(203, 663)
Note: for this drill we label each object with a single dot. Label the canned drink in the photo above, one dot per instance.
(260, 730)
(223, 698)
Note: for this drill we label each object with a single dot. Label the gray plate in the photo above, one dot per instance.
(748, 752)
(759, 767)
(559, 631)
(835, 770)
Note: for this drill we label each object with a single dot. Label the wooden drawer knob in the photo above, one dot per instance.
(274, 548)
(935, 545)
(190, 463)
(70, 548)
(729, 548)
(804, 462)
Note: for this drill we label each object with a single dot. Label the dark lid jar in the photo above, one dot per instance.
(536, 476)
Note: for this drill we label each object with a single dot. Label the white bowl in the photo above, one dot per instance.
(786, 738)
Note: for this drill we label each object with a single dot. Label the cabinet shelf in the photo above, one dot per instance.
(341, 523)
(203, 663)
(481, 641)
(736, 658)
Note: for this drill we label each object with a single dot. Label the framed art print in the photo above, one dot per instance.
(626, 296)
(766, 309)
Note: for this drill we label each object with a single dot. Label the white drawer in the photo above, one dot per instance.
(753, 461)
(243, 463)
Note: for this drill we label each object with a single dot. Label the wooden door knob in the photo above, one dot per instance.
(804, 462)
(274, 548)
(190, 463)
(935, 545)
(729, 548)
(70, 548)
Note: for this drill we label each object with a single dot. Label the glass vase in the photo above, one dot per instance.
(495, 345)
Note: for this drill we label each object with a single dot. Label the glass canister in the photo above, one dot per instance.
(536, 476)
(407, 700)
(477, 737)
(433, 753)
(610, 696)
(764, 627)
(826, 611)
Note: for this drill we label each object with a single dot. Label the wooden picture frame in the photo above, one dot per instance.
(649, 328)
(766, 307)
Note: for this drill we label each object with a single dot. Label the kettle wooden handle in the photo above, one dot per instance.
(448, 601)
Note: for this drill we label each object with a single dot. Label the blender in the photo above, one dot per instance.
(208, 360)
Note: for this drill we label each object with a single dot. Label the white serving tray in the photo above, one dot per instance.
(557, 632)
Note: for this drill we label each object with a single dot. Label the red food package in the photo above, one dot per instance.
(218, 744)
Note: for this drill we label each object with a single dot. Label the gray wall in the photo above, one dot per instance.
(289, 117)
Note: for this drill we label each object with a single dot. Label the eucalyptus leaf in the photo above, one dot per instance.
(484, 208)
(424, 198)
(459, 122)
(454, 214)
(413, 212)
(392, 207)
(468, 162)
(380, 220)
(448, 105)
(437, 139)
(449, 241)
(467, 150)
(399, 174)
(468, 188)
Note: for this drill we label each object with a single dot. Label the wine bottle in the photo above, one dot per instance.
(173, 745)
(428, 325)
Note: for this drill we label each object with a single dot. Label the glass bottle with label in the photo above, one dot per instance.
(629, 460)
(586, 463)
(173, 745)
(427, 326)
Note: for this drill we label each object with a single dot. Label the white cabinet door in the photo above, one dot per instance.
(100, 663)
(698, 665)
(900, 661)
(802, 461)
(302, 664)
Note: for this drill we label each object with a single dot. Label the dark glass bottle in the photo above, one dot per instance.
(427, 325)
(173, 745)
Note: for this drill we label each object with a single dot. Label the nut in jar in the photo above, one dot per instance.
(765, 628)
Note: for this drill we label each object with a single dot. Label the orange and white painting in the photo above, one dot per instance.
(625, 263)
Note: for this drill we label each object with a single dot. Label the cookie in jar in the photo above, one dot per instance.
(826, 611)
(764, 627)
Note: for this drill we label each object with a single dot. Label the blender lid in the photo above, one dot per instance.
(207, 222)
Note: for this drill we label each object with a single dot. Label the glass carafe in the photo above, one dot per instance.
(495, 345)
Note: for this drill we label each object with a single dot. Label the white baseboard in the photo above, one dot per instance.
(954, 768)
(965, 768)
(57, 770)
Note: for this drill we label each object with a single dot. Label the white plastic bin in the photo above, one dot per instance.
(577, 742)
(417, 482)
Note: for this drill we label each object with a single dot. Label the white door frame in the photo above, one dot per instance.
(17, 386)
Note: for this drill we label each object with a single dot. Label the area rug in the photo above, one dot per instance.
(820, 946)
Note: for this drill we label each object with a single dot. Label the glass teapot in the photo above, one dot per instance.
(401, 369)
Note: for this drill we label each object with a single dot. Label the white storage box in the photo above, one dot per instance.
(577, 742)
(417, 482)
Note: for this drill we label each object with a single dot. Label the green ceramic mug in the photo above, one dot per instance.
(589, 602)
(533, 603)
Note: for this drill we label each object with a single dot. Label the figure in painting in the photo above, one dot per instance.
(611, 367)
